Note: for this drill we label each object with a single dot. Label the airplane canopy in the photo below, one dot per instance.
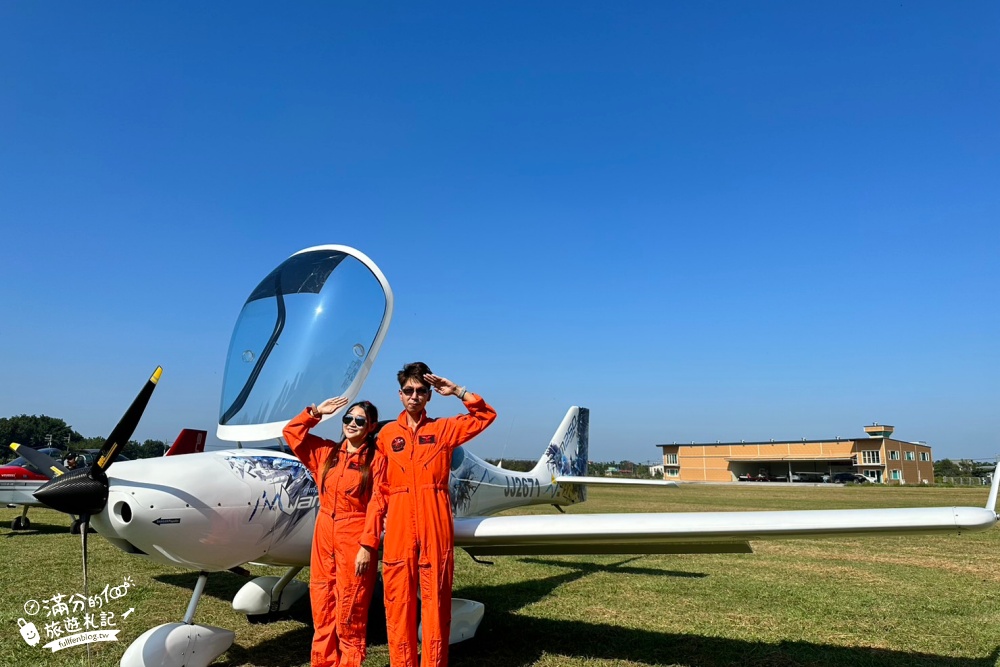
(309, 331)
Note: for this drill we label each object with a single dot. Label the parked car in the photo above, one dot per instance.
(848, 478)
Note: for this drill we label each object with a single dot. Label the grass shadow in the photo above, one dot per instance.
(537, 637)
(221, 585)
(290, 648)
(41, 529)
(616, 568)
(508, 638)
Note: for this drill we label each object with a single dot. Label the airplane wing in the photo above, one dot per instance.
(19, 492)
(699, 532)
(611, 481)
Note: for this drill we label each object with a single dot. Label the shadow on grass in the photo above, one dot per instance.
(291, 648)
(536, 638)
(221, 585)
(508, 639)
(617, 568)
(41, 529)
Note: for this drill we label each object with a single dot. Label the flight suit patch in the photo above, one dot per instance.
(426, 439)
(353, 465)
(398, 445)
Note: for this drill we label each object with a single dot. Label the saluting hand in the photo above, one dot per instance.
(329, 406)
(441, 385)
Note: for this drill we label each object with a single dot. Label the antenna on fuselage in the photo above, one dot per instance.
(506, 442)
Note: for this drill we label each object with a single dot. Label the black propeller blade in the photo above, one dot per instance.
(126, 426)
(46, 465)
(85, 492)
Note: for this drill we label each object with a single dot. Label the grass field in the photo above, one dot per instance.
(889, 601)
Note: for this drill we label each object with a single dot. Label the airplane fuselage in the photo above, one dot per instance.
(216, 510)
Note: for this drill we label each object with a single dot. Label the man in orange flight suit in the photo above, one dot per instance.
(419, 529)
(347, 531)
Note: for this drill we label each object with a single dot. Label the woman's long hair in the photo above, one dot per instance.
(365, 488)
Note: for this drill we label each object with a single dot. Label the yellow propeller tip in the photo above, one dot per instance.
(156, 375)
(14, 446)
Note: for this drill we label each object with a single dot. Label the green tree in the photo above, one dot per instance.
(34, 431)
(947, 468)
(90, 443)
(597, 468)
(152, 448)
(968, 468)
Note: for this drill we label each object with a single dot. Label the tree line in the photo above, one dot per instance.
(963, 468)
(594, 468)
(39, 431)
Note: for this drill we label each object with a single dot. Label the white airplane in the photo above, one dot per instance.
(312, 329)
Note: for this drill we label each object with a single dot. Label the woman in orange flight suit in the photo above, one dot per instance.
(419, 527)
(348, 526)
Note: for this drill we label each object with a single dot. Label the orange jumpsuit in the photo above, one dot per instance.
(345, 521)
(420, 530)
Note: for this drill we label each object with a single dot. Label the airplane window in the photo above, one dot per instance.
(457, 457)
(303, 335)
(22, 462)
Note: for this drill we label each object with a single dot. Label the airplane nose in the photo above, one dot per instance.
(80, 492)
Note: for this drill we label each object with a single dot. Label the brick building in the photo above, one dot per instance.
(879, 457)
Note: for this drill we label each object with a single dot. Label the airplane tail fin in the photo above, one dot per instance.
(188, 441)
(566, 455)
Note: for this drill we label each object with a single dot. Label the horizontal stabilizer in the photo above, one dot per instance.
(612, 481)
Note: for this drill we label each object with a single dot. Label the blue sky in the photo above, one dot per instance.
(702, 220)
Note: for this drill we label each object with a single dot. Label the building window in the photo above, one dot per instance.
(670, 459)
(909, 456)
(894, 455)
(924, 456)
(671, 472)
(871, 456)
(895, 474)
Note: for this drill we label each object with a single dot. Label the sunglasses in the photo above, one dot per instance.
(360, 421)
(421, 391)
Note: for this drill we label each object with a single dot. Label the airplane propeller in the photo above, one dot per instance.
(84, 492)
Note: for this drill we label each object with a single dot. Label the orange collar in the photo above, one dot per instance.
(360, 450)
(404, 419)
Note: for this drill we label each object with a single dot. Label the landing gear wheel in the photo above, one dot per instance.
(20, 523)
(74, 528)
